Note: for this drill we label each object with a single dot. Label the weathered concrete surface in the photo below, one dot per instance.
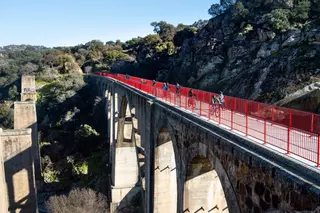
(3, 188)
(205, 192)
(126, 171)
(25, 116)
(20, 190)
(28, 88)
(253, 177)
(165, 179)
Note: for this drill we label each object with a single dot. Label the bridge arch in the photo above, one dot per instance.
(207, 186)
(125, 126)
(126, 172)
(165, 173)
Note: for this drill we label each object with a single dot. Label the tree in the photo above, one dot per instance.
(65, 88)
(152, 40)
(166, 31)
(78, 201)
(96, 49)
(132, 43)
(218, 9)
(301, 10)
(110, 43)
(48, 74)
(184, 34)
(239, 11)
(86, 131)
(215, 10)
(13, 92)
(86, 139)
(280, 19)
(114, 56)
(67, 63)
(6, 117)
(29, 68)
(226, 4)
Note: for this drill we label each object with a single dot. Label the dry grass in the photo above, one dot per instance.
(78, 201)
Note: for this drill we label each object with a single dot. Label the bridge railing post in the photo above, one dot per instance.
(200, 100)
(318, 159)
(209, 113)
(312, 122)
(247, 123)
(265, 132)
(289, 131)
(232, 112)
(219, 114)
(193, 103)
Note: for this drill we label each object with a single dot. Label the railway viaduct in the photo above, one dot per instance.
(180, 162)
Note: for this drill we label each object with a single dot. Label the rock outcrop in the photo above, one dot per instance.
(246, 57)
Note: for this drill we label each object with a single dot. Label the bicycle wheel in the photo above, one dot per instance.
(217, 111)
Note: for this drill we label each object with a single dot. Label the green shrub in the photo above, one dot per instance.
(301, 11)
(280, 20)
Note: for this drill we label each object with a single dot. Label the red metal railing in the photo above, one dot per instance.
(292, 131)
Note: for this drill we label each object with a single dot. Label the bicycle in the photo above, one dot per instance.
(215, 109)
(192, 103)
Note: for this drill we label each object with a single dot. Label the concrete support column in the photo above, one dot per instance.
(147, 139)
(20, 190)
(112, 130)
(125, 172)
(109, 106)
(3, 189)
(25, 116)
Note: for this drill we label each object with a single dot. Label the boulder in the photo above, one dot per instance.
(292, 38)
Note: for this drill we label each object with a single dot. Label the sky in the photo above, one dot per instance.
(71, 22)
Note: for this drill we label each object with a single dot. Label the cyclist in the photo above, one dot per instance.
(165, 86)
(215, 102)
(142, 81)
(168, 86)
(191, 96)
(221, 98)
(178, 88)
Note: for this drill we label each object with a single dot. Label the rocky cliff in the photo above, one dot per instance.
(244, 54)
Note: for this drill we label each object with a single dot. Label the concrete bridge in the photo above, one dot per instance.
(177, 160)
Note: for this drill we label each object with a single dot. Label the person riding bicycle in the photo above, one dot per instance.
(221, 98)
(165, 86)
(191, 95)
(214, 100)
(178, 88)
(214, 108)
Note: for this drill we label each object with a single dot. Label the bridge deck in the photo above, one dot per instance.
(297, 143)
